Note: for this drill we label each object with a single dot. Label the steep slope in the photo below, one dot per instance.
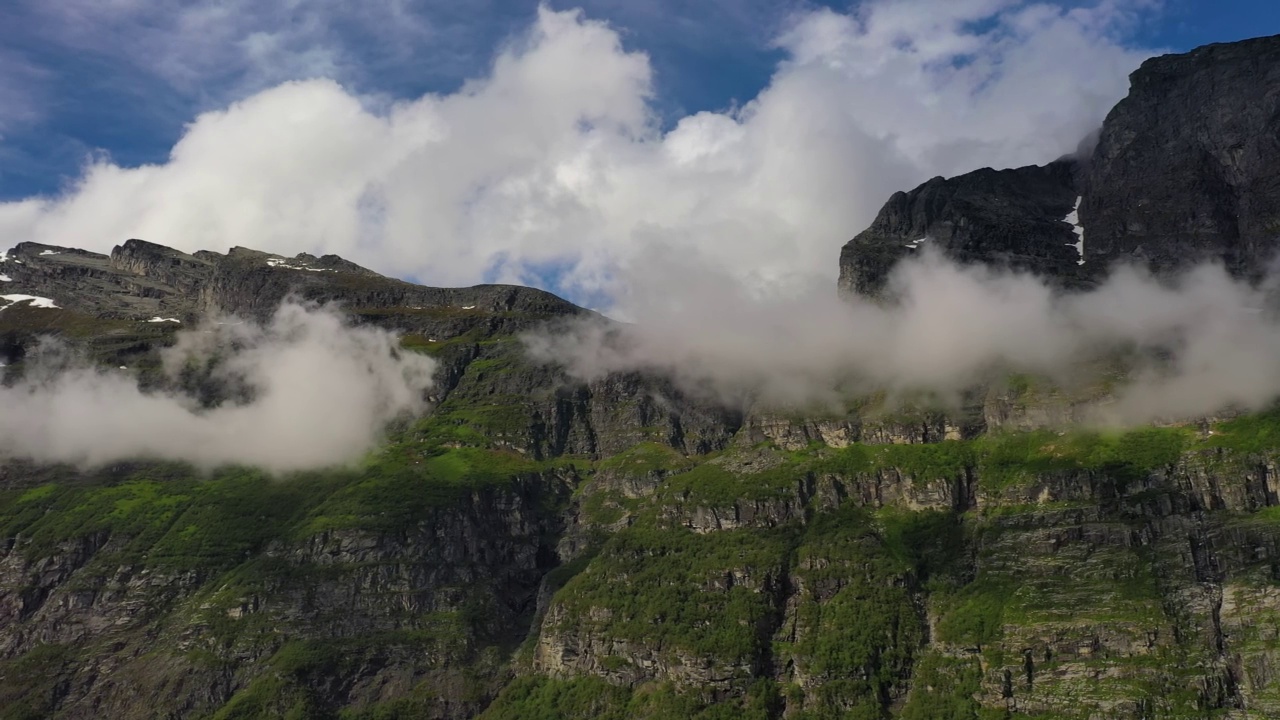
(1006, 218)
(1188, 165)
(1184, 170)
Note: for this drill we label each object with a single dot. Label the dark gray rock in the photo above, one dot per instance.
(1185, 169)
(1011, 218)
(1188, 165)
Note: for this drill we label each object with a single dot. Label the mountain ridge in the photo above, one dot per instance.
(1183, 171)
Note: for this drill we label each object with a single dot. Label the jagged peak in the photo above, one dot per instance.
(1183, 170)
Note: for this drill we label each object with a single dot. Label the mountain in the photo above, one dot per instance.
(1186, 168)
(538, 547)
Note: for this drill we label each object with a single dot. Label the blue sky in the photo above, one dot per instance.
(93, 89)
(561, 145)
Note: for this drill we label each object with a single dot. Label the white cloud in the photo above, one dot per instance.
(322, 392)
(555, 158)
(1196, 344)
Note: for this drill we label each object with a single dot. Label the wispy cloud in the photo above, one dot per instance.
(23, 100)
(221, 51)
(1195, 345)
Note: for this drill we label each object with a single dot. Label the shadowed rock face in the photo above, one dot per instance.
(1009, 218)
(1185, 169)
(1188, 165)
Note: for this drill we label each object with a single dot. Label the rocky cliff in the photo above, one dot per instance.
(537, 547)
(1185, 169)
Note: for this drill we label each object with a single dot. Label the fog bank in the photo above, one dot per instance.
(319, 391)
(1198, 343)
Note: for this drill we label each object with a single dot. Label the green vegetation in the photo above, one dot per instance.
(646, 458)
(25, 318)
(27, 682)
(713, 486)
(178, 520)
(857, 626)
(1257, 433)
(944, 689)
(169, 522)
(974, 615)
(588, 698)
(1004, 459)
(677, 591)
(404, 485)
(1124, 456)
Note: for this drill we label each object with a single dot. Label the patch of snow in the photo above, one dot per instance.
(5, 278)
(50, 252)
(916, 243)
(468, 307)
(160, 319)
(38, 302)
(431, 340)
(124, 367)
(1073, 217)
(4, 256)
(282, 263)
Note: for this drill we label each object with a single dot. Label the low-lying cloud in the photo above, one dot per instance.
(315, 391)
(1194, 345)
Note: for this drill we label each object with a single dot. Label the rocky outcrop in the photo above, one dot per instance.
(141, 280)
(1184, 170)
(1005, 218)
(1187, 167)
(184, 273)
(92, 284)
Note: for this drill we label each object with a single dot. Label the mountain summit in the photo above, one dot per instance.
(1186, 168)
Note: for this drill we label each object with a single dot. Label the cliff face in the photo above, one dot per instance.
(128, 619)
(1007, 218)
(537, 547)
(1188, 165)
(1030, 574)
(1184, 170)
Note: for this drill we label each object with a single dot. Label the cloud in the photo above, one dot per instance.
(1195, 345)
(21, 95)
(553, 165)
(219, 50)
(315, 391)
